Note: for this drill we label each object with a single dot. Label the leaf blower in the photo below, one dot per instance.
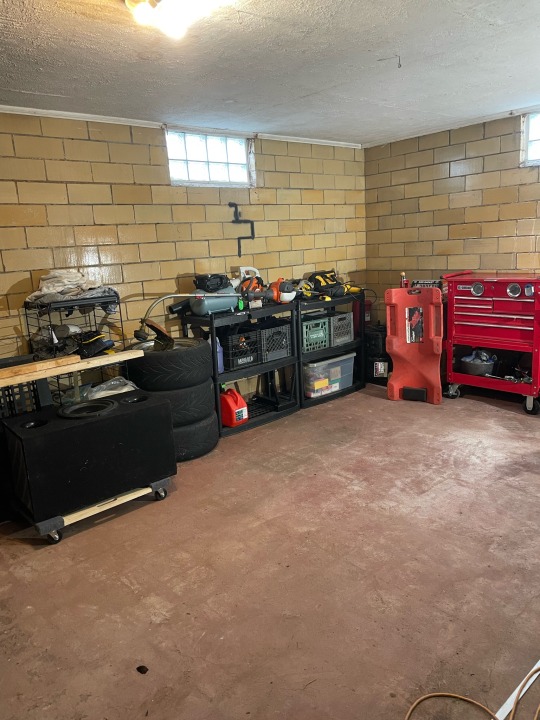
(283, 291)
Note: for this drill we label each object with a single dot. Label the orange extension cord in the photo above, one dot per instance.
(489, 712)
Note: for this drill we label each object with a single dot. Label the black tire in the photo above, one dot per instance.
(188, 364)
(192, 441)
(190, 405)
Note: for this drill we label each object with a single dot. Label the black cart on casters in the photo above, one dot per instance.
(96, 456)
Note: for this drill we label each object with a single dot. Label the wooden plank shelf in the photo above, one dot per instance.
(18, 374)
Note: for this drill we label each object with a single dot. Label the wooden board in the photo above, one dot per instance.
(14, 370)
(23, 375)
(105, 505)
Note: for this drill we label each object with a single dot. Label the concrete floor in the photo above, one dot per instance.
(331, 566)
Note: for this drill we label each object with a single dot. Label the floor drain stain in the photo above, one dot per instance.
(142, 669)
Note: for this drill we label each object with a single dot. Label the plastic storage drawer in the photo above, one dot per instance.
(328, 376)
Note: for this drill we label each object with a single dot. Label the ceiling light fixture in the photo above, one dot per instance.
(173, 17)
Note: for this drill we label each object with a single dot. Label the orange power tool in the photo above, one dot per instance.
(283, 291)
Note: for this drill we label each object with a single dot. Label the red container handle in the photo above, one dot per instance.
(457, 274)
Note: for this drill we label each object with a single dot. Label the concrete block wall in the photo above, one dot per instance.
(449, 201)
(97, 197)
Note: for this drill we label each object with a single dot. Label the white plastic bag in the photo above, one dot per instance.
(111, 387)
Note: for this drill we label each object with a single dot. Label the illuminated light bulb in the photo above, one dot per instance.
(175, 30)
(144, 13)
(175, 33)
(173, 17)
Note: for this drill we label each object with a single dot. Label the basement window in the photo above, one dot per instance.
(214, 160)
(532, 139)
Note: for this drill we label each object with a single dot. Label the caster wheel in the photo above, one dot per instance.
(160, 494)
(534, 410)
(454, 395)
(54, 537)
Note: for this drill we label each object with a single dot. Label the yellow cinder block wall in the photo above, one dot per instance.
(449, 201)
(97, 197)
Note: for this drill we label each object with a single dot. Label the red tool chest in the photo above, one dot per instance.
(499, 313)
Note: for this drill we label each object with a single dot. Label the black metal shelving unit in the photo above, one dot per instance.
(274, 404)
(100, 314)
(263, 409)
(356, 346)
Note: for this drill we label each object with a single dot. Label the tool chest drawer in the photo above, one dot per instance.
(497, 308)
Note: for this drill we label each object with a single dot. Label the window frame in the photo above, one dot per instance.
(526, 162)
(250, 158)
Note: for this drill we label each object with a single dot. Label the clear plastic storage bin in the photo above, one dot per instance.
(328, 376)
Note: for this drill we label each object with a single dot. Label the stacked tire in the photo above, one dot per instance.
(183, 376)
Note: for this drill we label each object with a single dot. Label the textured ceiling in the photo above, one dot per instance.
(325, 69)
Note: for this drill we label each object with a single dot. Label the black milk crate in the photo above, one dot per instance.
(275, 339)
(22, 397)
(17, 399)
(375, 339)
(315, 333)
(241, 348)
(341, 328)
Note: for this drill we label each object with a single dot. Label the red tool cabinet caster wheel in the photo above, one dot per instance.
(531, 409)
(452, 391)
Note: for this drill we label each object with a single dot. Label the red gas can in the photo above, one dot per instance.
(233, 408)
